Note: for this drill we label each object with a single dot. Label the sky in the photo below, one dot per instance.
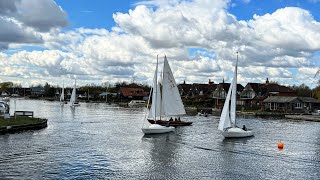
(114, 41)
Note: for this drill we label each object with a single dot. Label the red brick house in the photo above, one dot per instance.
(131, 93)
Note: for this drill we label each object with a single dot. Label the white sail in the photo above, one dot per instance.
(171, 99)
(62, 94)
(233, 87)
(225, 120)
(155, 110)
(73, 98)
(228, 115)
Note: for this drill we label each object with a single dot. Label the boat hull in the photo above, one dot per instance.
(157, 129)
(136, 103)
(237, 133)
(171, 123)
(75, 104)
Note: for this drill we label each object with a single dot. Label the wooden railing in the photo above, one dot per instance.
(23, 113)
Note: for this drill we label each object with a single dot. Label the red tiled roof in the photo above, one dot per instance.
(125, 91)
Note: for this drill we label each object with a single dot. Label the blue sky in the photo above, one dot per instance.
(93, 13)
(244, 10)
(110, 41)
(98, 14)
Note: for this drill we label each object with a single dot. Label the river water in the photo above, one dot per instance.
(101, 141)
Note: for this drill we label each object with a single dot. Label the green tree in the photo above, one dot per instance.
(303, 90)
(46, 89)
(5, 86)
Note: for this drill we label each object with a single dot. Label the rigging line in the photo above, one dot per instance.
(317, 73)
(147, 109)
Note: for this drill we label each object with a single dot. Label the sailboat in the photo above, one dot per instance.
(155, 110)
(73, 99)
(227, 123)
(170, 102)
(62, 96)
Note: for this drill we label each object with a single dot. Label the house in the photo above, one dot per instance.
(18, 91)
(291, 104)
(250, 96)
(254, 94)
(132, 93)
(196, 90)
(310, 104)
(104, 95)
(184, 90)
(221, 91)
(37, 91)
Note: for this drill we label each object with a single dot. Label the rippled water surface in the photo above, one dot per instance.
(100, 141)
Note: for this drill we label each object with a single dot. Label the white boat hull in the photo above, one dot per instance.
(236, 133)
(157, 129)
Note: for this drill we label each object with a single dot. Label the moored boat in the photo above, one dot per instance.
(137, 103)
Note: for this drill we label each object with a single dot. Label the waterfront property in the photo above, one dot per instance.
(291, 104)
(132, 93)
(220, 93)
(253, 95)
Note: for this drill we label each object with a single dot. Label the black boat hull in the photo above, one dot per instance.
(171, 123)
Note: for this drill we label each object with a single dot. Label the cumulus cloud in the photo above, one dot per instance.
(269, 44)
(47, 14)
(22, 20)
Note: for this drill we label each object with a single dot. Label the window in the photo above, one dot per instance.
(298, 106)
(273, 106)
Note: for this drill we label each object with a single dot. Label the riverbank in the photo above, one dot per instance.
(18, 124)
(304, 117)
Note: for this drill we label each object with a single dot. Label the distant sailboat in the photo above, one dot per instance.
(227, 124)
(73, 99)
(155, 110)
(62, 96)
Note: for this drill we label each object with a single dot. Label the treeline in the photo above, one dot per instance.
(93, 89)
(50, 90)
(305, 91)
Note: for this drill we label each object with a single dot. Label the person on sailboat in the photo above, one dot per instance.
(244, 127)
(170, 119)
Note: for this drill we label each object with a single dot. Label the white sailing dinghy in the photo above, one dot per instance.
(155, 110)
(73, 99)
(227, 124)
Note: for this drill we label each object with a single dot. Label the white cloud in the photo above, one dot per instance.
(22, 21)
(268, 44)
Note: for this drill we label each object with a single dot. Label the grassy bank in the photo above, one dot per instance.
(19, 121)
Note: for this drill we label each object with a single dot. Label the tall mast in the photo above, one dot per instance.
(156, 87)
(234, 95)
